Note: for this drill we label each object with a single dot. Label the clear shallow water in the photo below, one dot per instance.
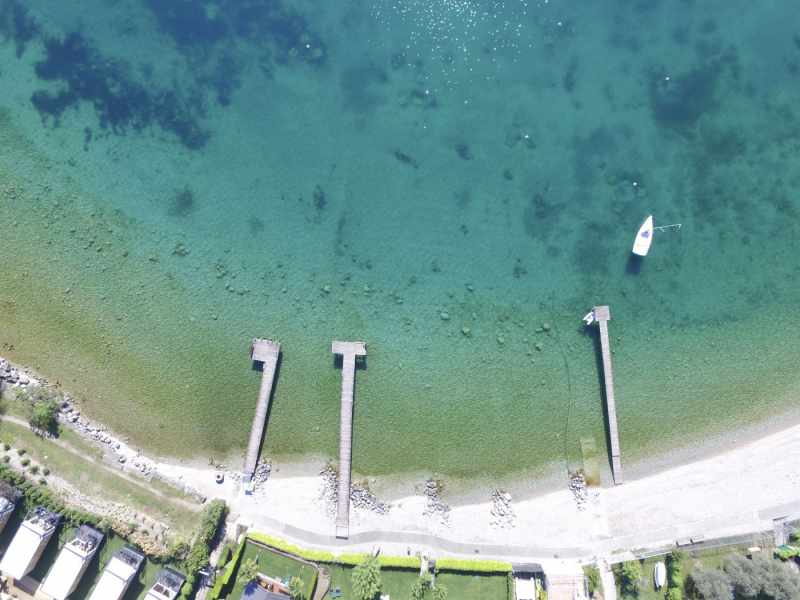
(439, 179)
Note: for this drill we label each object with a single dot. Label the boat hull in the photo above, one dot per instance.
(644, 237)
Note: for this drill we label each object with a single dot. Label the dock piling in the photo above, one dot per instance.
(602, 315)
(267, 353)
(349, 351)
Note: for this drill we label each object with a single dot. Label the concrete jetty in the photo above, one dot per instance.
(267, 353)
(602, 315)
(349, 351)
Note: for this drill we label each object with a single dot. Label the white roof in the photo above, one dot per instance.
(525, 588)
(66, 572)
(115, 579)
(22, 550)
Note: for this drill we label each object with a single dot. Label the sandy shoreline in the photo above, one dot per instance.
(737, 491)
(732, 482)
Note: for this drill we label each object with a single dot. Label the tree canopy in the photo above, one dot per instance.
(366, 579)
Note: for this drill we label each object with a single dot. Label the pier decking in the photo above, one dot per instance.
(602, 314)
(349, 351)
(267, 353)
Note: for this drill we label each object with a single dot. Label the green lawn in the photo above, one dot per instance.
(274, 565)
(397, 583)
(93, 479)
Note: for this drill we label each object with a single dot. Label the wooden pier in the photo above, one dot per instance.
(267, 353)
(348, 351)
(602, 314)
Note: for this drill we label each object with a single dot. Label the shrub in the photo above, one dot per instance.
(629, 574)
(6, 458)
(592, 579)
(230, 568)
(25, 462)
(439, 593)
(34, 469)
(21, 451)
(200, 551)
(6, 446)
(45, 471)
(366, 579)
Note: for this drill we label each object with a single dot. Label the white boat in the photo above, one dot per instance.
(659, 575)
(641, 245)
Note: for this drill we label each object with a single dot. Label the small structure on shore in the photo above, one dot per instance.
(29, 542)
(266, 588)
(120, 571)
(6, 510)
(602, 315)
(167, 586)
(71, 564)
(267, 353)
(348, 351)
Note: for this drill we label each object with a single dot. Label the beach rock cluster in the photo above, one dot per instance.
(10, 375)
(502, 514)
(360, 496)
(577, 485)
(434, 506)
(261, 474)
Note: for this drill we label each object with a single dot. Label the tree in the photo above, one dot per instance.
(366, 579)
(296, 588)
(711, 584)
(249, 570)
(630, 574)
(440, 593)
(592, 579)
(43, 415)
(763, 577)
(421, 584)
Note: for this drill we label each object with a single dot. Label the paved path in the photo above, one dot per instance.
(607, 578)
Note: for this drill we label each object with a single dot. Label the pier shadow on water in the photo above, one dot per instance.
(593, 332)
(259, 368)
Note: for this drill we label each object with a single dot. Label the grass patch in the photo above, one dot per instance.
(95, 480)
(274, 565)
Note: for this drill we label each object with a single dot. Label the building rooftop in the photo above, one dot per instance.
(33, 533)
(256, 592)
(6, 505)
(71, 563)
(167, 586)
(118, 574)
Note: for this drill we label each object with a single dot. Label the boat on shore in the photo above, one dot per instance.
(644, 237)
(659, 575)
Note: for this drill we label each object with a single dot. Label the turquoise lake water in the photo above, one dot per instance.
(455, 182)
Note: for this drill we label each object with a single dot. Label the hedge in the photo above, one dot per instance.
(322, 556)
(284, 546)
(401, 562)
(230, 569)
(473, 566)
(213, 515)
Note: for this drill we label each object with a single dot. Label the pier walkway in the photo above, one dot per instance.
(602, 314)
(349, 351)
(267, 353)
